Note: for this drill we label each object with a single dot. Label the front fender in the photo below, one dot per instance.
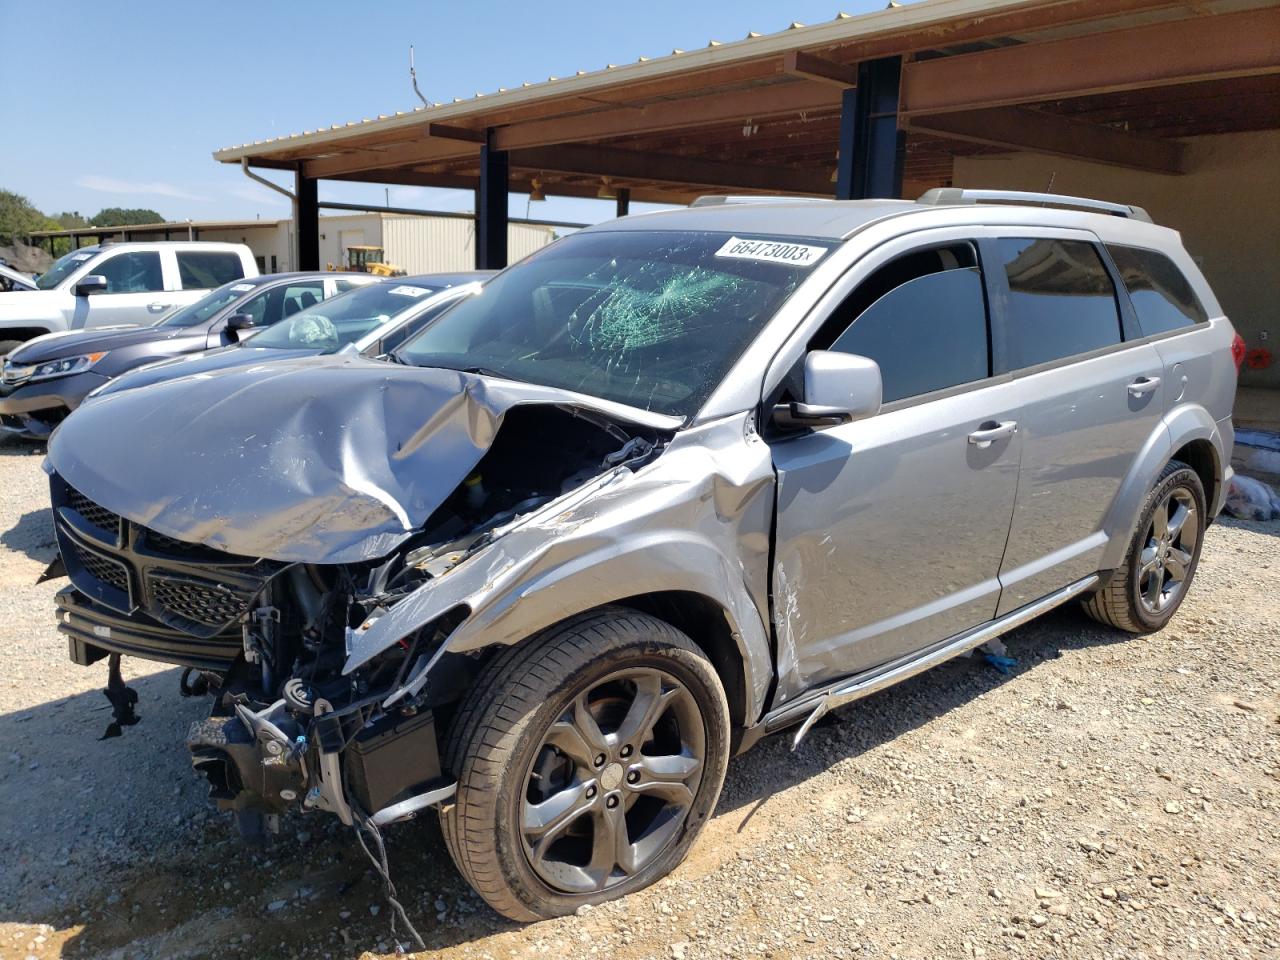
(696, 519)
(1179, 427)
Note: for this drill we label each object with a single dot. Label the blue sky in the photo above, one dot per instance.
(122, 103)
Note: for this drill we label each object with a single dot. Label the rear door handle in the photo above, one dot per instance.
(1143, 386)
(993, 430)
(157, 307)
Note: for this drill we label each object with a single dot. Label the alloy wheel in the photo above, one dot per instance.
(1166, 558)
(611, 784)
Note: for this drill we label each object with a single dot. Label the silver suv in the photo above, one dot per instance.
(671, 484)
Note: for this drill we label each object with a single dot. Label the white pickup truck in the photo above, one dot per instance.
(119, 283)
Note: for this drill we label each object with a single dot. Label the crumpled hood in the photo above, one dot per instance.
(204, 362)
(73, 343)
(331, 459)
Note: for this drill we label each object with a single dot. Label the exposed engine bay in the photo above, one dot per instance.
(293, 726)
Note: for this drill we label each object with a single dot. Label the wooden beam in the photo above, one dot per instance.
(520, 183)
(1019, 128)
(773, 100)
(445, 131)
(1180, 51)
(423, 150)
(667, 168)
(801, 64)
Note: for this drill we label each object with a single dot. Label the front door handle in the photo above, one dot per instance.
(993, 430)
(1143, 386)
(157, 307)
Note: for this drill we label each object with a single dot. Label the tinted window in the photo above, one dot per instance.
(277, 304)
(137, 271)
(1061, 300)
(1161, 295)
(206, 306)
(927, 334)
(204, 270)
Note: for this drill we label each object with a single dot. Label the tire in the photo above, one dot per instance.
(1130, 601)
(9, 345)
(518, 749)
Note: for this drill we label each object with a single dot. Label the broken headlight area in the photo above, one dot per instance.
(291, 727)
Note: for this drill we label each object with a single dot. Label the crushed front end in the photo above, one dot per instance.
(293, 725)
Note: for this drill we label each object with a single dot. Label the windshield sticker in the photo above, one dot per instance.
(772, 251)
(242, 288)
(406, 291)
(80, 257)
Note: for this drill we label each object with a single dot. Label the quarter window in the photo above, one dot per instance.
(206, 269)
(922, 318)
(1161, 296)
(137, 271)
(1061, 300)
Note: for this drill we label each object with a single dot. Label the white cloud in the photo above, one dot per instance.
(157, 188)
(257, 194)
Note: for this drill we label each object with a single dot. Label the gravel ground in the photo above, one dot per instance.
(1110, 798)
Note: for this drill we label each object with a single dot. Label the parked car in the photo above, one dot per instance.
(12, 280)
(370, 322)
(44, 379)
(668, 485)
(118, 283)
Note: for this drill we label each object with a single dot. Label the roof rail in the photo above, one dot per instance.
(942, 196)
(717, 199)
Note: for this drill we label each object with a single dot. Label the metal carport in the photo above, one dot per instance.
(867, 106)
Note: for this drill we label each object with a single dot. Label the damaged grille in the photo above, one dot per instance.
(126, 567)
(100, 517)
(202, 602)
(110, 572)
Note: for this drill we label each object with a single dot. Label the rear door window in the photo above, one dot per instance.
(135, 271)
(1061, 301)
(922, 317)
(1161, 295)
(206, 269)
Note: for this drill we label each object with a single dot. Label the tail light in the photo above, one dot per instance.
(1237, 351)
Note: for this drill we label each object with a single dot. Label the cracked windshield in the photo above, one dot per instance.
(650, 319)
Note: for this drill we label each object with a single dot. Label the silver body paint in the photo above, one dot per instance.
(830, 554)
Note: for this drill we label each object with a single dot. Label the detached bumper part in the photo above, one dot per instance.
(93, 631)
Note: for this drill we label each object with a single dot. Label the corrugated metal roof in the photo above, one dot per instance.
(843, 28)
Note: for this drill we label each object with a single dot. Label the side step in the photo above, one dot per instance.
(815, 706)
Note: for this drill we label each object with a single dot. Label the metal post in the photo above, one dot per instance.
(624, 201)
(491, 209)
(307, 227)
(871, 145)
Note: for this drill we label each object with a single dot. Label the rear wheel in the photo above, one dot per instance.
(1147, 590)
(587, 762)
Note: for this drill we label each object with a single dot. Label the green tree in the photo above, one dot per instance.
(18, 217)
(69, 221)
(122, 217)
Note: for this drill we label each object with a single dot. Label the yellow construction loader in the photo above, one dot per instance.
(363, 258)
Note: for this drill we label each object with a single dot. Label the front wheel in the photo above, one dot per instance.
(587, 760)
(1143, 595)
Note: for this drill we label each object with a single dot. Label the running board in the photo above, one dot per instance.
(817, 705)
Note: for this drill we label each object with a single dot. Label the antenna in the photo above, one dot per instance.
(413, 78)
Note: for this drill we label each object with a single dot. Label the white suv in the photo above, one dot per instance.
(119, 283)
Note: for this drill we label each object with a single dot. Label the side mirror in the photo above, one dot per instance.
(93, 283)
(838, 388)
(237, 324)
